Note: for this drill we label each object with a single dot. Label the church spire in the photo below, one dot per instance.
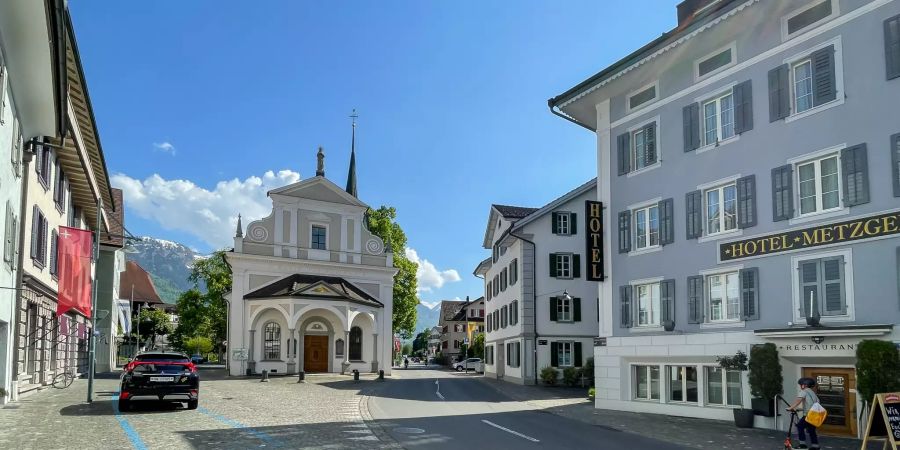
(240, 230)
(351, 173)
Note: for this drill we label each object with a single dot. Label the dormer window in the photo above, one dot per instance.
(319, 237)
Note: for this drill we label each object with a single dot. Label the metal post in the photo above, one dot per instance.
(93, 339)
(131, 325)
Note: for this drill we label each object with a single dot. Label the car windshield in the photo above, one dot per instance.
(162, 357)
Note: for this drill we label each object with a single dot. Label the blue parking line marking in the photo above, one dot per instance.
(235, 424)
(130, 432)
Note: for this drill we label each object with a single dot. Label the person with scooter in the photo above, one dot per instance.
(805, 399)
(405, 362)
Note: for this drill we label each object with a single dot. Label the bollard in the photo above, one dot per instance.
(381, 375)
(265, 376)
(249, 372)
(301, 377)
(355, 375)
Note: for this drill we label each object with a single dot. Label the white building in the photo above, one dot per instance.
(313, 287)
(538, 256)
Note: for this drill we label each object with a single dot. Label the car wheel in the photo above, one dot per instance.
(192, 404)
(124, 405)
(459, 368)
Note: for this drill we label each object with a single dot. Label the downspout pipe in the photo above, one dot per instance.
(27, 155)
(534, 306)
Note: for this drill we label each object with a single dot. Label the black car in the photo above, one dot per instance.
(160, 375)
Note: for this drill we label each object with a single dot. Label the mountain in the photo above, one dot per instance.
(427, 317)
(169, 264)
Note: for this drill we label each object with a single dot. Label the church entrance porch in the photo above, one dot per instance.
(315, 353)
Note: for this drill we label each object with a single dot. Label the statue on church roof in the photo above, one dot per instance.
(320, 165)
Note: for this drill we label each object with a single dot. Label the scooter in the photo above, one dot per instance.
(787, 439)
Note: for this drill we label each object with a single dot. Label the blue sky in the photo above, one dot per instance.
(197, 100)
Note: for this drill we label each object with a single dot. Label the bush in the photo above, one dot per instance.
(588, 370)
(592, 393)
(765, 376)
(549, 375)
(571, 376)
(877, 368)
(440, 360)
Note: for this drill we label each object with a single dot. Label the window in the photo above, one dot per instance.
(514, 312)
(646, 382)
(54, 260)
(38, 237)
(801, 74)
(819, 185)
(822, 286)
(489, 355)
(496, 285)
(642, 97)
(12, 236)
(503, 279)
(356, 344)
(562, 223)
(721, 209)
(487, 291)
(272, 341)
(319, 237)
(504, 316)
(496, 252)
(42, 165)
(682, 383)
(723, 297)
(639, 158)
(564, 309)
(723, 387)
(59, 189)
(564, 354)
(513, 354)
(514, 271)
(455, 344)
(18, 140)
(718, 119)
(563, 265)
(714, 63)
(445, 344)
(805, 18)
(480, 313)
(646, 227)
(648, 307)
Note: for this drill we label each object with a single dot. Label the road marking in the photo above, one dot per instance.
(510, 431)
(438, 392)
(235, 424)
(130, 432)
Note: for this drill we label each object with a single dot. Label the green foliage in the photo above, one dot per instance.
(587, 369)
(382, 223)
(205, 314)
(153, 322)
(592, 392)
(549, 375)
(198, 345)
(736, 362)
(420, 342)
(877, 368)
(571, 376)
(166, 289)
(3, 393)
(765, 376)
(440, 359)
(478, 346)
(406, 349)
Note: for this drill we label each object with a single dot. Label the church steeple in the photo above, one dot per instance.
(351, 173)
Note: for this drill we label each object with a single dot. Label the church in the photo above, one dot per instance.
(312, 287)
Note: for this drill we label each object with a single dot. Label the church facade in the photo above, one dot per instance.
(312, 288)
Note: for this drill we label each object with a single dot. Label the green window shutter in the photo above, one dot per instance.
(576, 266)
(650, 149)
(855, 168)
(577, 361)
(743, 107)
(895, 163)
(667, 301)
(553, 265)
(623, 145)
(833, 285)
(749, 281)
(554, 224)
(693, 202)
(576, 309)
(553, 301)
(690, 115)
(624, 231)
(625, 299)
(695, 298)
(779, 93)
(666, 221)
(809, 286)
(554, 355)
(892, 47)
(746, 200)
(824, 86)
(573, 223)
(782, 193)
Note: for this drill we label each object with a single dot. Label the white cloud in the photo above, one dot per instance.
(208, 214)
(165, 147)
(428, 276)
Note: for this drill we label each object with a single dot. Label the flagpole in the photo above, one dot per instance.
(95, 255)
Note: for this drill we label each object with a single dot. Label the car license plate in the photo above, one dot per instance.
(163, 379)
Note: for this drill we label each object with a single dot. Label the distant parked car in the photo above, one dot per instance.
(469, 364)
(198, 359)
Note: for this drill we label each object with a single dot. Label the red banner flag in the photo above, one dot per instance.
(74, 270)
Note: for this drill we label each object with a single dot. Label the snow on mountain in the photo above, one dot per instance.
(169, 264)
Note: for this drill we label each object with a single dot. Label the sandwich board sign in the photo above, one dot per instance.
(884, 420)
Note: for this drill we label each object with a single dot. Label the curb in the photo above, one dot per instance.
(386, 439)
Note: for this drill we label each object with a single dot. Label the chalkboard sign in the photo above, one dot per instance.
(893, 416)
(884, 419)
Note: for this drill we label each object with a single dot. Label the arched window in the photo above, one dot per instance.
(272, 342)
(356, 343)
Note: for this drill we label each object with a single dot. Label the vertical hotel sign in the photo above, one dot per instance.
(593, 213)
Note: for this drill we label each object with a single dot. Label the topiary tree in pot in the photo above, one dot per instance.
(743, 417)
(766, 380)
(877, 368)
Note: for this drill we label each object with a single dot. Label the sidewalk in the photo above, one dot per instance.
(572, 403)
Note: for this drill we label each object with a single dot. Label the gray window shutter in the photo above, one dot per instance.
(666, 221)
(573, 223)
(898, 278)
(750, 293)
(782, 193)
(667, 299)
(554, 224)
(625, 298)
(576, 309)
(624, 231)
(623, 143)
(809, 286)
(691, 130)
(824, 86)
(576, 266)
(693, 214)
(895, 163)
(695, 298)
(743, 107)
(577, 361)
(8, 235)
(855, 168)
(779, 93)
(552, 265)
(650, 136)
(554, 355)
(892, 47)
(833, 285)
(35, 231)
(746, 197)
(553, 317)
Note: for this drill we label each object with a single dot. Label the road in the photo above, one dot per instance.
(435, 409)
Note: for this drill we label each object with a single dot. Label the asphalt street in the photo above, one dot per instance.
(434, 409)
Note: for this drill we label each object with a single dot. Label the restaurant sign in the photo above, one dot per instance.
(868, 227)
(593, 212)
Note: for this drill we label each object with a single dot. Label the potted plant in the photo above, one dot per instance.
(549, 375)
(765, 378)
(743, 417)
(877, 368)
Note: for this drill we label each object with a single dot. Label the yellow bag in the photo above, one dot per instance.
(816, 415)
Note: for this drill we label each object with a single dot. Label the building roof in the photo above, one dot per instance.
(317, 287)
(116, 214)
(137, 278)
(513, 212)
(449, 308)
(565, 198)
(463, 316)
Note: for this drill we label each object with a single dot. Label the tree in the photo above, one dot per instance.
(877, 368)
(382, 223)
(152, 323)
(205, 314)
(421, 341)
(478, 346)
(198, 345)
(407, 349)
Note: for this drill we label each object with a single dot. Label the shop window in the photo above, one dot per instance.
(646, 382)
(723, 387)
(682, 384)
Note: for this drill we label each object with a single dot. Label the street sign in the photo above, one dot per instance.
(542, 342)
(599, 342)
(239, 354)
(465, 341)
